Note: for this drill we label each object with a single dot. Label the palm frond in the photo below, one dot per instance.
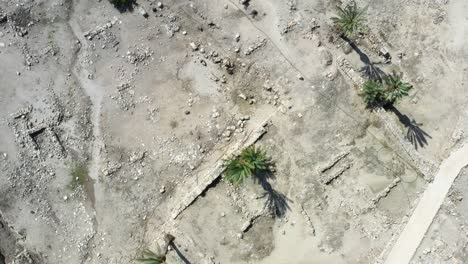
(150, 257)
(395, 88)
(372, 93)
(350, 19)
(249, 163)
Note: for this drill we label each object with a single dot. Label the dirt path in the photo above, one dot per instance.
(95, 94)
(414, 231)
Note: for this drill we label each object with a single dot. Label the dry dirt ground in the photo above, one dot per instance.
(447, 239)
(114, 125)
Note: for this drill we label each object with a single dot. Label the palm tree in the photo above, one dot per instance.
(250, 162)
(372, 93)
(350, 19)
(395, 88)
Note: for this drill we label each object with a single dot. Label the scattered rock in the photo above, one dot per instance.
(246, 225)
(142, 12)
(346, 48)
(332, 162)
(326, 58)
(227, 133)
(99, 29)
(228, 65)
(386, 191)
(255, 46)
(194, 46)
(244, 2)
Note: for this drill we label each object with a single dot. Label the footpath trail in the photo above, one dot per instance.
(428, 206)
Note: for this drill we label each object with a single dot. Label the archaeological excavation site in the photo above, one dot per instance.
(233, 131)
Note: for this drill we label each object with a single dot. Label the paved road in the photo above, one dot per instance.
(409, 240)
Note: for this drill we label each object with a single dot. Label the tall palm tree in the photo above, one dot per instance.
(349, 20)
(395, 88)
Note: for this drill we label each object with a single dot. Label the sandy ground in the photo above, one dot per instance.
(428, 206)
(114, 127)
(446, 240)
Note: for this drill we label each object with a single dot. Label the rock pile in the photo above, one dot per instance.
(329, 172)
(90, 35)
(386, 191)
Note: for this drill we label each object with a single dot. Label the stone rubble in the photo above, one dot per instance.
(386, 191)
(90, 35)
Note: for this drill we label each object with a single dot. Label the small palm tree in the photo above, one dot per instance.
(395, 88)
(350, 19)
(250, 162)
(372, 93)
(150, 257)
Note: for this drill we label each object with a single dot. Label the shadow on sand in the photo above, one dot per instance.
(415, 134)
(276, 202)
(124, 5)
(370, 69)
(179, 253)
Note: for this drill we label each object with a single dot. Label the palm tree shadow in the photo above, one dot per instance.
(276, 202)
(179, 253)
(373, 72)
(124, 7)
(370, 68)
(415, 134)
